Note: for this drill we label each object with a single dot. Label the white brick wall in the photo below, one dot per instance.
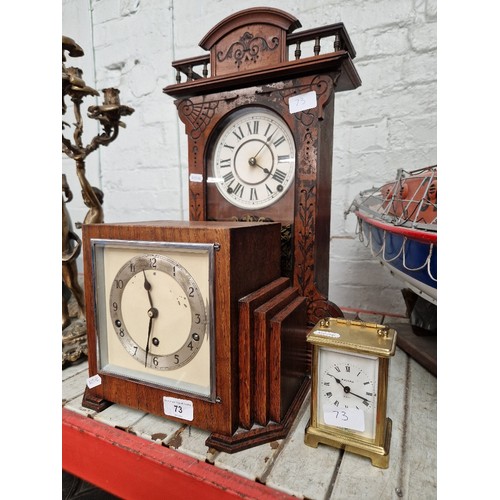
(387, 123)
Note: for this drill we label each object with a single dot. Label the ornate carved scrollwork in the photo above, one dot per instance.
(195, 208)
(197, 115)
(247, 48)
(305, 240)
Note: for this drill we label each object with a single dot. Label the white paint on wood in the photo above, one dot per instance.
(119, 416)
(302, 470)
(155, 428)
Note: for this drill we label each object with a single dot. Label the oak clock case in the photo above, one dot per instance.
(349, 387)
(163, 332)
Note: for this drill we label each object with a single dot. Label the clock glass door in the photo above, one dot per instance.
(153, 304)
(251, 167)
(347, 391)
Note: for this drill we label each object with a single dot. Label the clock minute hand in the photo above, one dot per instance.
(152, 313)
(360, 397)
(265, 144)
(147, 342)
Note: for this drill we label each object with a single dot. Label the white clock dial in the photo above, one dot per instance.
(254, 159)
(157, 311)
(347, 391)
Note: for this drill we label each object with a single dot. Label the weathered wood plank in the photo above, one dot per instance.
(154, 428)
(74, 386)
(357, 478)
(421, 434)
(72, 370)
(251, 463)
(119, 416)
(76, 406)
(299, 469)
(191, 441)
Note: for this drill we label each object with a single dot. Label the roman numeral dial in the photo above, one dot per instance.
(348, 384)
(253, 158)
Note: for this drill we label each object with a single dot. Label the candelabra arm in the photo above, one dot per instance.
(77, 135)
(102, 140)
(72, 151)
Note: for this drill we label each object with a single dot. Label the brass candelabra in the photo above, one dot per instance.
(109, 117)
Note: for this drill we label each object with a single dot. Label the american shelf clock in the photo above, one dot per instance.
(260, 134)
(205, 322)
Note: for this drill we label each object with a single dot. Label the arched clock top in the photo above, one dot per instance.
(249, 39)
(258, 46)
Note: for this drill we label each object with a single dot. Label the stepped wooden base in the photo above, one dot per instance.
(94, 403)
(244, 439)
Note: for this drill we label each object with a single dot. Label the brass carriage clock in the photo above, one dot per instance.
(260, 133)
(349, 387)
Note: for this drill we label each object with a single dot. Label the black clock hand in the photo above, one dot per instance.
(253, 162)
(152, 313)
(147, 286)
(347, 390)
(149, 336)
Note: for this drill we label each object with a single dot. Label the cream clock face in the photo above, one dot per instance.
(347, 391)
(254, 159)
(153, 306)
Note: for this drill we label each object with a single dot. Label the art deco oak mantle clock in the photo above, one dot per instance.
(180, 312)
(260, 134)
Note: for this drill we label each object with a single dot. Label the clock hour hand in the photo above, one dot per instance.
(147, 286)
(253, 163)
(347, 390)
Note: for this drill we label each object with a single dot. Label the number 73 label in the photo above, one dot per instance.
(349, 418)
(180, 408)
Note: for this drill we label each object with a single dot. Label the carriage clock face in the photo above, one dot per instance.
(347, 391)
(253, 158)
(153, 303)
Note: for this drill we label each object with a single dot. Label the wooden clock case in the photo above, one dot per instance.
(232, 262)
(249, 66)
(247, 285)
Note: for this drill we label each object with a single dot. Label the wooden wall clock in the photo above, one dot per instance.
(260, 134)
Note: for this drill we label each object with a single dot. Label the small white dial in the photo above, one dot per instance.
(254, 159)
(347, 391)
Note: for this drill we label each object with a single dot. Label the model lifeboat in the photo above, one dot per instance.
(398, 223)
